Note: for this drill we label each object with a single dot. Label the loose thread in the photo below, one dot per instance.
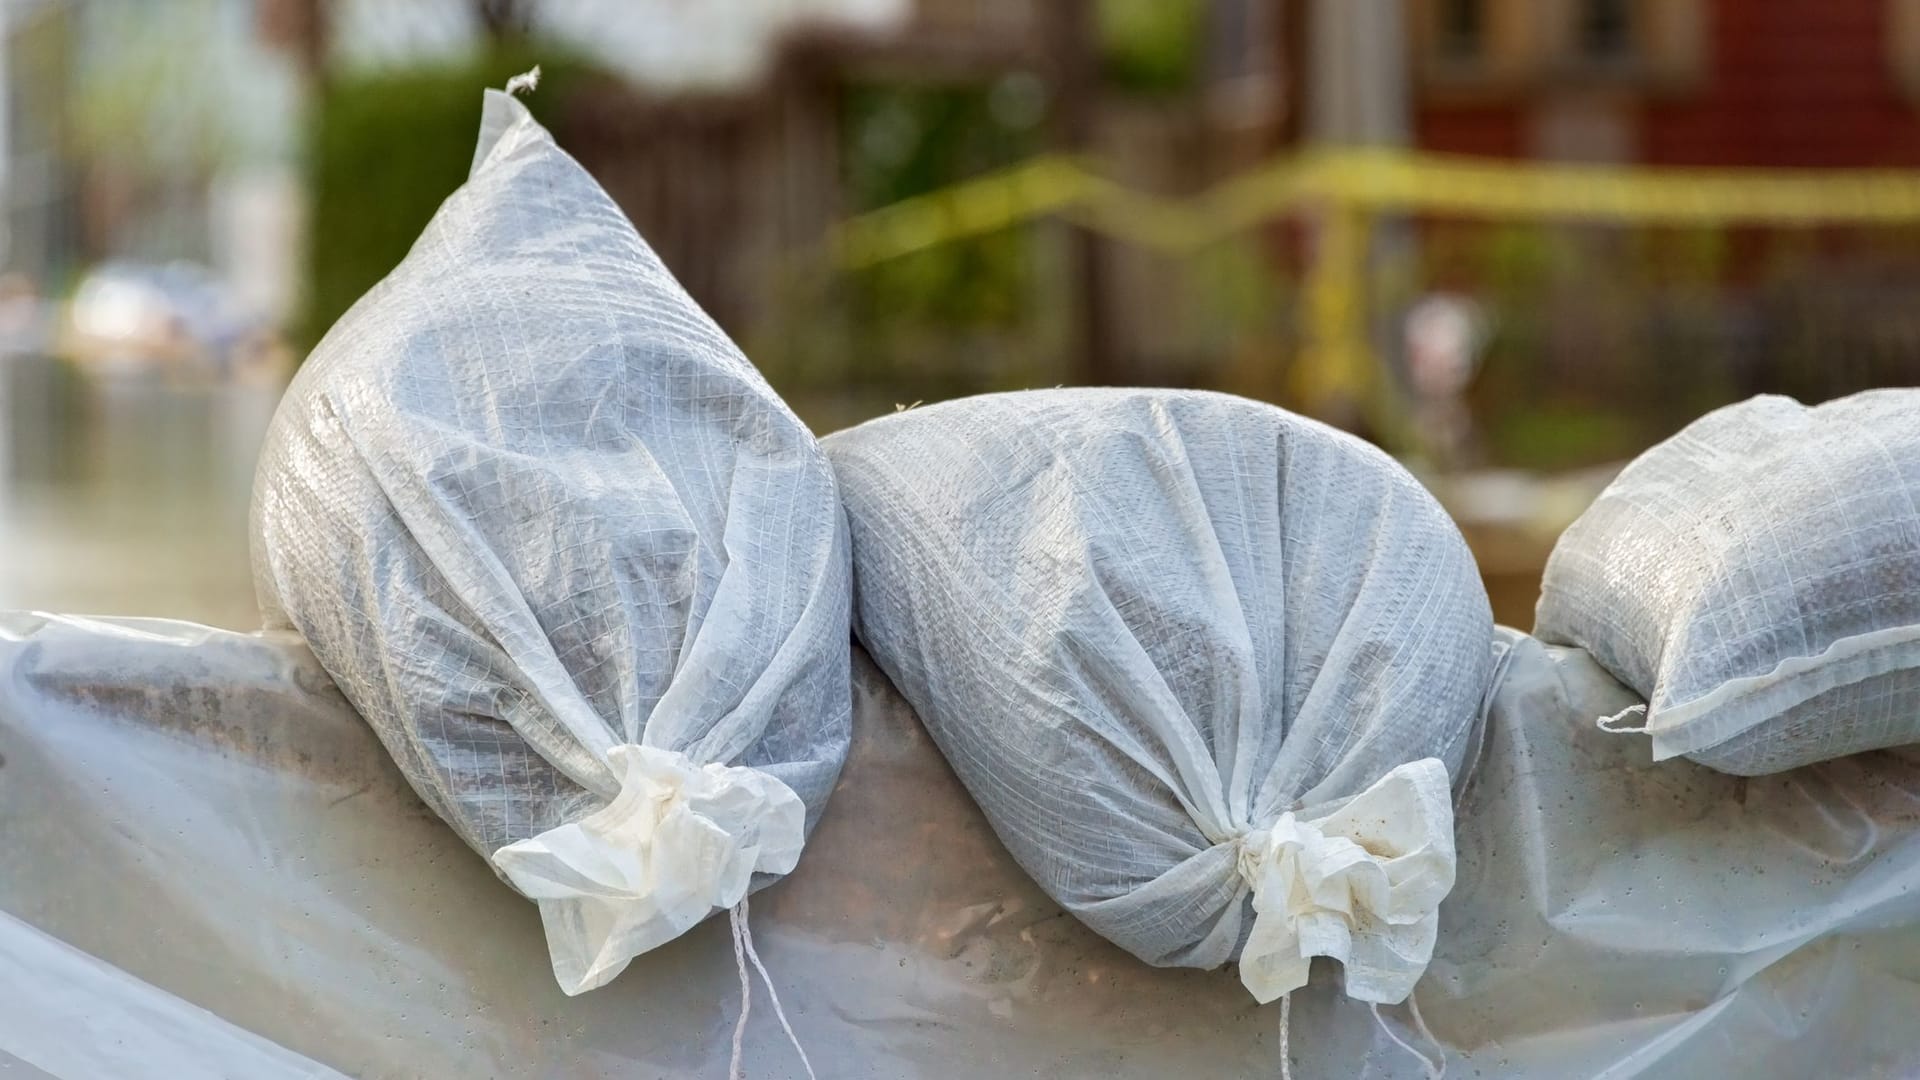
(1286, 1032)
(1620, 723)
(743, 953)
(738, 1072)
(1420, 1025)
(1435, 1067)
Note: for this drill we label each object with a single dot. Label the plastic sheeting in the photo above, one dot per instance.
(200, 810)
(70, 1014)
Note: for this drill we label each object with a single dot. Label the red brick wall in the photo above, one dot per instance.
(1785, 83)
(1488, 130)
(1790, 83)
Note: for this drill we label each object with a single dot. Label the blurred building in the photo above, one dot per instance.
(39, 189)
(1815, 83)
(736, 134)
(149, 132)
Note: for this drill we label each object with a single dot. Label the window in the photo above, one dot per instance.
(1605, 29)
(1507, 49)
(1462, 31)
(1903, 44)
(1245, 88)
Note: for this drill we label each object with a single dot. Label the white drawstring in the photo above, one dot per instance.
(1439, 1065)
(746, 935)
(1286, 1029)
(746, 995)
(1436, 1066)
(1620, 723)
(743, 952)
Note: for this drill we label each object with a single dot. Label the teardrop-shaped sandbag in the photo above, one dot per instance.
(1207, 666)
(566, 551)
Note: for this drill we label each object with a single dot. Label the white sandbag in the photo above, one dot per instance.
(1757, 579)
(575, 562)
(1207, 666)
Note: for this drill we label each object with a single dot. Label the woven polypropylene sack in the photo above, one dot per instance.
(1757, 579)
(1205, 665)
(570, 556)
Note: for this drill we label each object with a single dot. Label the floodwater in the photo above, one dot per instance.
(126, 493)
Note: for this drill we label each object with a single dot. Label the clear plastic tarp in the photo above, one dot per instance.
(210, 831)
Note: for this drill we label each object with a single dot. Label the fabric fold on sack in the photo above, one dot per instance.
(578, 566)
(1360, 883)
(677, 843)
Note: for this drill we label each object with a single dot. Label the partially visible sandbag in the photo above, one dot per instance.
(1207, 666)
(578, 566)
(1757, 579)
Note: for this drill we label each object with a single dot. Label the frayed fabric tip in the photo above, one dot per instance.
(524, 83)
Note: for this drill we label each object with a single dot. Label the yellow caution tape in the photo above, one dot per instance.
(1379, 181)
(986, 204)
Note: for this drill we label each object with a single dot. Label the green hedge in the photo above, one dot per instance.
(385, 149)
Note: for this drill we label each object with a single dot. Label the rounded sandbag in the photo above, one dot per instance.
(1197, 658)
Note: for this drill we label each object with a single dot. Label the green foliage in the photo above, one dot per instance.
(386, 148)
(1557, 436)
(1151, 46)
(1237, 302)
(909, 140)
(155, 84)
(906, 141)
(1692, 259)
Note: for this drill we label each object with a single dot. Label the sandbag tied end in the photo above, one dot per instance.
(679, 841)
(1358, 880)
